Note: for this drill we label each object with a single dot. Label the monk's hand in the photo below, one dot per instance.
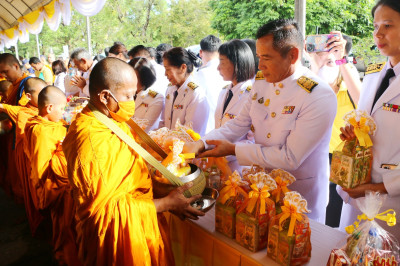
(221, 148)
(78, 81)
(180, 205)
(347, 133)
(359, 191)
(193, 147)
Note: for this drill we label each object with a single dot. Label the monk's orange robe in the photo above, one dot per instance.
(8, 169)
(49, 181)
(117, 218)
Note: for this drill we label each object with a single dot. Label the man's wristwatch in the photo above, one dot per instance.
(342, 61)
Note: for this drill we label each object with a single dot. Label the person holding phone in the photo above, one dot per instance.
(329, 61)
(380, 97)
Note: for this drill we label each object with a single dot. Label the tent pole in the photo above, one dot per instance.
(300, 15)
(16, 50)
(89, 38)
(37, 45)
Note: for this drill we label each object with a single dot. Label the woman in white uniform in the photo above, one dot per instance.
(236, 64)
(184, 99)
(380, 97)
(148, 103)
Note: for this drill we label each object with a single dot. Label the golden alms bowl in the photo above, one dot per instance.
(162, 187)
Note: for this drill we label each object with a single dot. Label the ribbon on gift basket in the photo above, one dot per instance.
(388, 216)
(361, 131)
(256, 194)
(290, 210)
(281, 186)
(230, 190)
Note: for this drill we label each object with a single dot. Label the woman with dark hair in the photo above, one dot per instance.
(184, 101)
(60, 71)
(380, 97)
(118, 50)
(252, 44)
(236, 64)
(148, 103)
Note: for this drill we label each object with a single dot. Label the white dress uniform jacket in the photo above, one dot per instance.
(386, 144)
(292, 129)
(149, 105)
(209, 79)
(161, 83)
(190, 106)
(86, 76)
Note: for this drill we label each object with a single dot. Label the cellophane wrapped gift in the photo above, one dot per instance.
(352, 160)
(176, 161)
(282, 179)
(289, 232)
(143, 123)
(254, 169)
(231, 197)
(253, 217)
(74, 106)
(368, 243)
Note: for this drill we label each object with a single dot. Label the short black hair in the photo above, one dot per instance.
(393, 4)
(286, 35)
(210, 43)
(9, 59)
(152, 51)
(139, 51)
(117, 48)
(58, 67)
(241, 56)
(34, 60)
(145, 71)
(178, 56)
(252, 44)
(161, 49)
(349, 43)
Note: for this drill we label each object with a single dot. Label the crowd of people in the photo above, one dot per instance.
(252, 101)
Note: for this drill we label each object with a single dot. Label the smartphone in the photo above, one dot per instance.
(317, 43)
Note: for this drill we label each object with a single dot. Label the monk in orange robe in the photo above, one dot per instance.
(19, 115)
(11, 70)
(43, 139)
(116, 211)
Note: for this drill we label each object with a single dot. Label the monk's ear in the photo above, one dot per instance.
(104, 95)
(49, 108)
(29, 96)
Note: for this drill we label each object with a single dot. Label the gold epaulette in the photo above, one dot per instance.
(259, 75)
(226, 86)
(307, 83)
(192, 85)
(248, 89)
(169, 84)
(373, 68)
(152, 93)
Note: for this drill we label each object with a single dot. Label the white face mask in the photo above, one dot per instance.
(329, 74)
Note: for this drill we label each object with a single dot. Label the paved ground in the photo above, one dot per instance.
(17, 246)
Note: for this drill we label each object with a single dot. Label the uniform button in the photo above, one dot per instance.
(169, 119)
(280, 85)
(277, 92)
(273, 114)
(269, 135)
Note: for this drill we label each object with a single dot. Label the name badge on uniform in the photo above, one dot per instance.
(178, 106)
(230, 116)
(391, 107)
(145, 104)
(287, 110)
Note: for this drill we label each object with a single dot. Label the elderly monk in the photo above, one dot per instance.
(48, 178)
(11, 70)
(117, 214)
(19, 115)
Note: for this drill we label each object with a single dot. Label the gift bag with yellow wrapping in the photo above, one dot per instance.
(368, 243)
(231, 197)
(253, 217)
(289, 232)
(352, 160)
(253, 169)
(282, 179)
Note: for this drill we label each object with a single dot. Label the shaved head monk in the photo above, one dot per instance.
(19, 114)
(5, 87)
(117, 214)
(48, 179)
(11, 70)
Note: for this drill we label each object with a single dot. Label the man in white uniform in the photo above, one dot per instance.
(208, 77)
(84, 63)
(290, 111)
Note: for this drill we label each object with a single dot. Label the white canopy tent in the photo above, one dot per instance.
(19, 18)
